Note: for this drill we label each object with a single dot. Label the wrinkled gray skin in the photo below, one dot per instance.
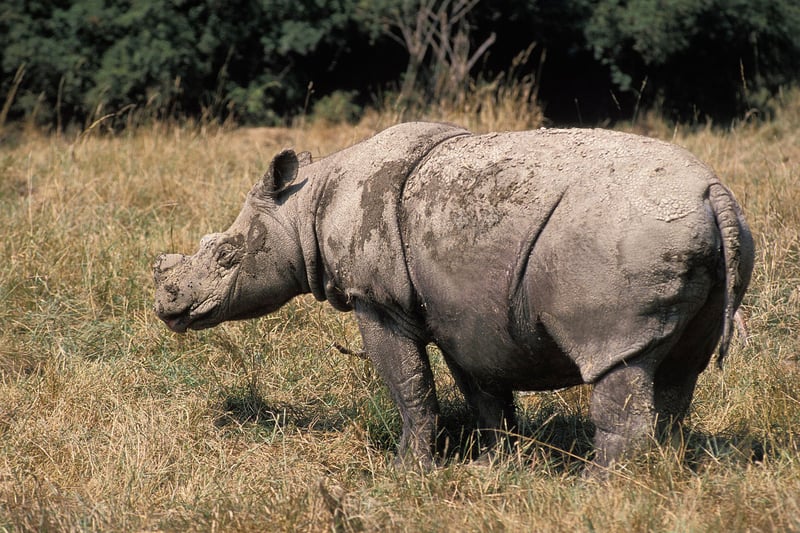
(534, 260)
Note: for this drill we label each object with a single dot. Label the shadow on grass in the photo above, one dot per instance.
(248, 407)
(561, 441)
(701, 448)
(547, 438)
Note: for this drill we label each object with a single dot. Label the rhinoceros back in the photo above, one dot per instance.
(586, 245)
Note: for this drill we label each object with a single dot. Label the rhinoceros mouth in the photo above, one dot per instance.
(182, 322)
(178, 324)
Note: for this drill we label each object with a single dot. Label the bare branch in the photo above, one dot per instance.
(480, 51)
(461, 9)
(441, 28)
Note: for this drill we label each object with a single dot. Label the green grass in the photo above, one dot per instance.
(110, 422)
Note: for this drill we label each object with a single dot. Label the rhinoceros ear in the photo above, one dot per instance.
(281, 173)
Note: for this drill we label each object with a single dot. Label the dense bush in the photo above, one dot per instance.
(254, 59)
(265, 60)
(712, 57)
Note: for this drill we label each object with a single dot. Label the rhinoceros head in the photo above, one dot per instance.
(247, 271)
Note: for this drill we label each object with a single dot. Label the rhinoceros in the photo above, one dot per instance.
(534, 260)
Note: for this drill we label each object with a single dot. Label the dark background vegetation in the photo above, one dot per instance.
(265, 61)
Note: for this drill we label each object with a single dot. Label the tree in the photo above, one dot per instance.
(707, 57)
(436, 35)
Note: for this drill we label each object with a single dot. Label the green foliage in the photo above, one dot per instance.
(702, 56)
(257, 60)
(155, 42)
(337, 107)
(89, 57)
(58, 47)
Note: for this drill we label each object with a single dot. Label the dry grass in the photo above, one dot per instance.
(109, 422)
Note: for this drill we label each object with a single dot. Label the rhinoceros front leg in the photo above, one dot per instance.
(403, 364)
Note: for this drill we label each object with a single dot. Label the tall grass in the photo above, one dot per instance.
(109, 422)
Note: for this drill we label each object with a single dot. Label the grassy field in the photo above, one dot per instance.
(110, 422)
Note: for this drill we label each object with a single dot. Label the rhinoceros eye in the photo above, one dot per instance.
(227, 255)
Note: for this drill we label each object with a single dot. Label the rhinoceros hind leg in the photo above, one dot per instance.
(623, 412)
(497, 420)
(676, 376)
(494, 409)
(672, 397)
(403, 364)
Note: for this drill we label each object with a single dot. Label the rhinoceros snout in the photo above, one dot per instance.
(169, 305)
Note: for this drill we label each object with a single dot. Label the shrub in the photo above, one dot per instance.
(337, 107)
(252, 59)
(709, 57)
(255, 60)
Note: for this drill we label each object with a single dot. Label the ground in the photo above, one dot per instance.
(109, 421)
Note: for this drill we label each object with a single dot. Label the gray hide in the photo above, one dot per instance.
(534, 260)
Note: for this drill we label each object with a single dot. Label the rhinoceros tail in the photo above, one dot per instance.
(737, 250)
